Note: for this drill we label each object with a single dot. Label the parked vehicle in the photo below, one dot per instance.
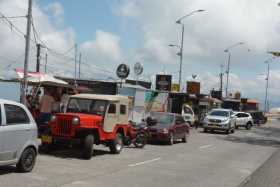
(18, 136)
(258, 117)
(220, 119)
(91, 119)
(167, 127)
(188, 114)
(137, 135)
(243, 119)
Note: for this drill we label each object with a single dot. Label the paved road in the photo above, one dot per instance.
(211, 160)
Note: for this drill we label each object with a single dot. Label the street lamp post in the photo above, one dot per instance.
(181, 47)
(227, 50)
(266, 108)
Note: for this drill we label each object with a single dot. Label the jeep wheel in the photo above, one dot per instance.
(116, 145)
(248, 126)
(232, 130)
(171, 139)
(205, 130)
(27, 160)
(228, 131)
(88, 146)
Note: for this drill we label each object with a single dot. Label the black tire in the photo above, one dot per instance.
(116, 145)
(228, 131)
(171, 139)
(205, 130)
(248, 126)
(140, 140)
(232, 130)
(27, 160)
(88, 142)
(185, 138)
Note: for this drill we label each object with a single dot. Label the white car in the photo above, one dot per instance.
(219, 119)
(18, 136)
(188, 114)
(244, 119)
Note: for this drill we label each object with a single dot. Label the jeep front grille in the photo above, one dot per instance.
(64, 127)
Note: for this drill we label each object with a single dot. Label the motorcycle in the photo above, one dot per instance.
(137, 135)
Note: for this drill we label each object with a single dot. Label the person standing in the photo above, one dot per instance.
(45, 107)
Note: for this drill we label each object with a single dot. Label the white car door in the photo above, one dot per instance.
(16, 130)
(238, 119)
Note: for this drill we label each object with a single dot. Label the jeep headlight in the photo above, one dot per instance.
(76, 121)
(53, 118)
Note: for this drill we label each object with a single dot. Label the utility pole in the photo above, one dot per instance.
(38, 57)
(181, 56)
(76, 51)
(221, 81)
(26, 58)
(80, 58)
(46, 62)
(227, 72)
(266, 108)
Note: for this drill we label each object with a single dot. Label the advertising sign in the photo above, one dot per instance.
(163, 82)
(123, 71)
(175, 87)
(193, 87)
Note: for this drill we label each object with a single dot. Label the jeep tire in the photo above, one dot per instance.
(27, 160)
(116, 145)
(88, 142)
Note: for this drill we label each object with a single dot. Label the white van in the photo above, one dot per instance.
(188, 114)
(18, 136)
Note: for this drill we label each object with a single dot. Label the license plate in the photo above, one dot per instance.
(46, 139)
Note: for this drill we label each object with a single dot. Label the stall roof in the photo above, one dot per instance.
(37, 78)
(101, 97)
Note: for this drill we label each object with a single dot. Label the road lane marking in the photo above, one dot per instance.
(144, 162)
(205, 146)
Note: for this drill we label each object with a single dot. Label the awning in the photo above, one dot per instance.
(37, 78)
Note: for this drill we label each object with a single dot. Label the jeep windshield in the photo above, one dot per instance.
(87, 106)
(219, 113)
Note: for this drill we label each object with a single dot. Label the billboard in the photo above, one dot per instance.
(193, 87)
(163, 82)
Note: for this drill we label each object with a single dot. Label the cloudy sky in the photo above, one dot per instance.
(109, 32)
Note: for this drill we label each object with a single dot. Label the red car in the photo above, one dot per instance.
(167, 127)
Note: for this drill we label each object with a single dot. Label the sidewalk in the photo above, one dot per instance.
(268, 175)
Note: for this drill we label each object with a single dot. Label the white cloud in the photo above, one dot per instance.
(105, 45)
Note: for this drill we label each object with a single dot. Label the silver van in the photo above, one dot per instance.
(18, 136)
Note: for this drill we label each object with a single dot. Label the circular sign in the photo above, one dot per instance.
(138, 68)
(123, 71)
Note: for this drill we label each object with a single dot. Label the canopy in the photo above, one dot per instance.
(37, 78)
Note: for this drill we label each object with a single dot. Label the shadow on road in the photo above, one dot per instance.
(68, 153)
(7, 170)
(265, 140)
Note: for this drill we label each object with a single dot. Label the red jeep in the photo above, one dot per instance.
(91, 119)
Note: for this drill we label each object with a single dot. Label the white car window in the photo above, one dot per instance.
(15, 115)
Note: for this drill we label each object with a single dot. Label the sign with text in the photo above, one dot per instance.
(163, 82)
